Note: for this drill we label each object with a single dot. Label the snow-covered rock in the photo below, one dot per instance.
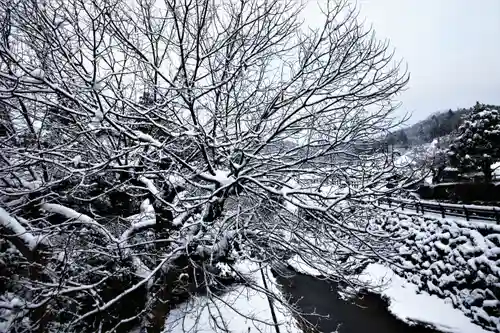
(452, 259)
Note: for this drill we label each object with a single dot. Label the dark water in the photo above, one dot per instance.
(366, 314)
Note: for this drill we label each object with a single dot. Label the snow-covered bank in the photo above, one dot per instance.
(299, 265)
(242, 309)
(458, 261)
(412, 307)
(455, 260)
(405, 300)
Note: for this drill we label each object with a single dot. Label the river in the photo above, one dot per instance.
(366, 314)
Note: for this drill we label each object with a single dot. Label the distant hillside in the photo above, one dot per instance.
(437, 125)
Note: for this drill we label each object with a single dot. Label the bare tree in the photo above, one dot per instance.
(146, 142)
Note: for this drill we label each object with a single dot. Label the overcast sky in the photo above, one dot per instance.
(452, 48)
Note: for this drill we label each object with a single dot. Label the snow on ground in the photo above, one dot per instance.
(403, 160)
(406, 304)
(299, 265)
(242, 309)
(433, 148)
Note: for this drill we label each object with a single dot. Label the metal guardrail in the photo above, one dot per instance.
(468, 211)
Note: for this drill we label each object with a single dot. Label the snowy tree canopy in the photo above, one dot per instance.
(477, 145)
(147, 143)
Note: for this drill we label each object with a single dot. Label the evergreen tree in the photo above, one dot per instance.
(477, 145)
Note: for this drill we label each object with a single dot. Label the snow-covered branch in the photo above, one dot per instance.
(78, 217)
(11, 227)
(251, 141)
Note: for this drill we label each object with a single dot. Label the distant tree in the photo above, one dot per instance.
(421, 132)
(435, 127)
(399, 138)
(392, 139)
(456, 120)
(477, 145)
(403, 138)
(447, 124)
(440, 124)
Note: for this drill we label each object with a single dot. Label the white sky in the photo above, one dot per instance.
(452, 48)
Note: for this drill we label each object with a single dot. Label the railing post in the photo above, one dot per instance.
(442, 211)
(466, 213)
(389, 201)
(497, 217)
(422, 208)
(416, 206)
